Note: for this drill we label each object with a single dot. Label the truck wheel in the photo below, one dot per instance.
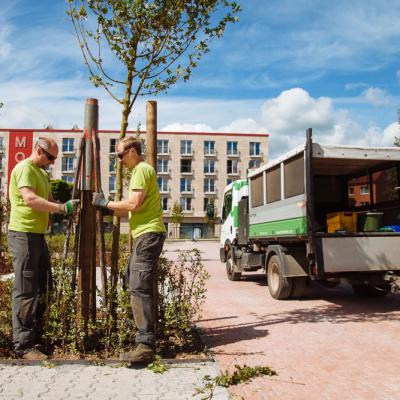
(365, 290)
(279, 286)
(233, 275)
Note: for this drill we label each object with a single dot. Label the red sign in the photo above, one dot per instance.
(20, 147)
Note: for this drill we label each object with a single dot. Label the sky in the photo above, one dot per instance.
(287, 65)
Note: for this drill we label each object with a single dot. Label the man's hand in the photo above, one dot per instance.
(99, 200)
(69, 207)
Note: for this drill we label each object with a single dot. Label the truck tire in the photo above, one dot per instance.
(231, 272)
(279, 286)
(365, 290)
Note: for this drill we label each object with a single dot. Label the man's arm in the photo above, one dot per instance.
(37, 203)
(121, 208)
(133, 203)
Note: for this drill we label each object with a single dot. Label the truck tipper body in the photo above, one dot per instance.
(329, 213)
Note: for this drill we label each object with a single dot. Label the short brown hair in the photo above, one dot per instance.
(130, 142)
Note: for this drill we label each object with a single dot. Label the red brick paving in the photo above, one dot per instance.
(330, 345)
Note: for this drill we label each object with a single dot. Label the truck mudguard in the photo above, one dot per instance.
(292, 266)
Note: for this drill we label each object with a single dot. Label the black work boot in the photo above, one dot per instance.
(142, 354)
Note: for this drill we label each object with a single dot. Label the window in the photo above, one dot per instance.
(162, 184)
(232, 166)
(112, 184)
(294, 176)
(274, 184)
(186, 185)
(209, 185)
(186, 203)
(113, 145)
(164, 203)
(68, 145)
(186, 147)
(162, 166)
(364, 190)
(351, 191)
(67, 164)
(209, 166)
(255, 149)
(186, 166)
(227, 205)
(257, 191)
(254, 164)
(229, 181)
(68, 178)
(1, 144)
(209, 147)
(112, 166)
(162, 146)
(231, 148)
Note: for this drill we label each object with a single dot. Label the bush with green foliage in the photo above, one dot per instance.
(181, 295)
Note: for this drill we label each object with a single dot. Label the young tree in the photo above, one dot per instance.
(148, 38)
(177, 215)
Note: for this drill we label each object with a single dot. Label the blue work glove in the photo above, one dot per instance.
(99, 200)
(70, 206)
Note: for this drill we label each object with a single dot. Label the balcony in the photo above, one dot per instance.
(164, 153)
(211, 173)
(165, 172)
(259, 155)
(211, 154)
(232, 154)
(165, 190)
(187, 153)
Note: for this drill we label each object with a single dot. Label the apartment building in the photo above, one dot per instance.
(193, 168)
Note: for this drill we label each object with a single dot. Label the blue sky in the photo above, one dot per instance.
(285, 66)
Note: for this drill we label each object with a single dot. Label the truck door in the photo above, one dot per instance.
(227, 232)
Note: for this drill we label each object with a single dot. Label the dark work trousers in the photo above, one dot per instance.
(146, 250)
(33, 279)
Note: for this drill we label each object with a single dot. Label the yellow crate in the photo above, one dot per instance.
(342, 221)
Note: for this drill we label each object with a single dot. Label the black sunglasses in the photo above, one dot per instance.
(48, 155)
(122, 153)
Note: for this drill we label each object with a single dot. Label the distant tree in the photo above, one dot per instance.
(397, 141)
(147, 37)
(176, 215)
(60, 190)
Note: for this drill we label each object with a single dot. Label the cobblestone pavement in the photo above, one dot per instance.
(102, 383)
(330, 345)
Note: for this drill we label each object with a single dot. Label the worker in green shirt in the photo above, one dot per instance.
(143, 206)
(31, 202)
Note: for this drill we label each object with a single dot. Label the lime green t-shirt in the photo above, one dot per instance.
(22, 217)
(149, 216)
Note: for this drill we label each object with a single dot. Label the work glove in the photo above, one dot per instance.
(70, 206)
(99, 200)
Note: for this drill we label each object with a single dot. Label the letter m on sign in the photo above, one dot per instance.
(20, 147)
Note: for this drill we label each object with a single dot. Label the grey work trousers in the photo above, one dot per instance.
(146, 250)
(33, 279)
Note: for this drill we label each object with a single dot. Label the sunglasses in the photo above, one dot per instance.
(49, 156)
(122, 153)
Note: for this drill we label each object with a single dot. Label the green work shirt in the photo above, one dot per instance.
(22, 217)
(149, 216)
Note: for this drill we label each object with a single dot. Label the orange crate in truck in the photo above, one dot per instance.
(341, 221)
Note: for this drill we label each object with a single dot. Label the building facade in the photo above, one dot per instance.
(192, 168)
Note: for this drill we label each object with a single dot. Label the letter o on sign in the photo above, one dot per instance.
(19, 156)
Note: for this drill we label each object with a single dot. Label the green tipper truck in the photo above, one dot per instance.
(322, 212)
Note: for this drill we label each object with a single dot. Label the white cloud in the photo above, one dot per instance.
(376, 96)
